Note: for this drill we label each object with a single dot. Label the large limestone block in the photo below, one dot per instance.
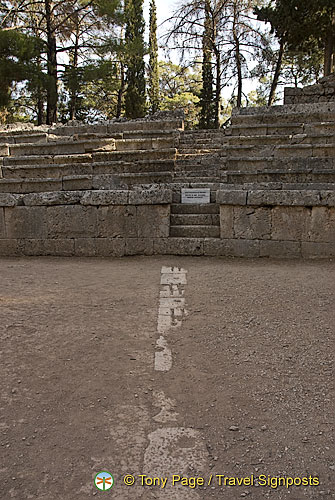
(150, 196)
(153, 221)
(179, 246)
(290, 223)
(322, 225)
(313, 250)
(231, 248)
(110, 247)
(10, 247)
(56, 247)
(280, 249)
(52, 198)
(26, 222)
(117, 222)
(139, 246)
(114, 197)
(252, 223)
(2, 223)
(9, 200)
(226, 221)
(72, 221)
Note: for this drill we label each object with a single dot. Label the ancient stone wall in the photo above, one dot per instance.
(114, 189)
(324, 91)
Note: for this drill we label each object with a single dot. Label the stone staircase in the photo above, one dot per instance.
(283, 147)
(195, 221)
(62, 158)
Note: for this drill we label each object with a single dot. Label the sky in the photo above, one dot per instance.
(165, 9)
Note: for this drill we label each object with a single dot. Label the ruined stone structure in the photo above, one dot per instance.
(324, 91)
(114, 189)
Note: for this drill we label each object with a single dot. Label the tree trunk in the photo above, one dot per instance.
(120, 92)
(52, 91)
(277, 73)
(238, 61)
(329, 53)
(74, 90)
(217, 88)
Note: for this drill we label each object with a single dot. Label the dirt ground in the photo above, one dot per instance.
(249, 394)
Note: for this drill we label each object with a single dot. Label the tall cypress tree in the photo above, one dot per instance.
(153, 62)
(135, 79)
(207, 113)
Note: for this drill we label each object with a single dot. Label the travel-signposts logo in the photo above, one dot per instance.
(104, 481)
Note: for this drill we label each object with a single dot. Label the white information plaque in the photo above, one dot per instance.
(195, 196)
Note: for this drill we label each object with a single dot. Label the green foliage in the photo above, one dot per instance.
(153, 90)
(180, 87)
(303, 24)
(135, 103)
(19, 55)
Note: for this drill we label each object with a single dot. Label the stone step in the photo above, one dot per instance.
(199, 150)
(145, 178)
(60, 170)
(284, 176)
(195, 220)
(47, 159)
(30, 186)
(283, 150)
(195, 231)
(326, 127)
(61, 147)
(122, 126)
(201, 208)
(247, 163)
(144, 144)
(300, 113)
(168, 153)
(255, 140)
(22, 138)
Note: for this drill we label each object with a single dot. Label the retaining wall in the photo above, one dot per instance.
(117, 223)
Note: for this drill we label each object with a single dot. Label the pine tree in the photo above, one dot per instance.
(207, 118)
(135, 105)
(153, 62)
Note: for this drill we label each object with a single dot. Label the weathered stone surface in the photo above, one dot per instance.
(52, 198)
(72, 221)
(231, 197)
(80, 182)
(4, 150)
(153, 221)
(85, 247)
(9, 200)
(178, 246)
(2, 223)
(322, 225)
(280, 249)
(109, 182)
(26, 222)
(56, 247)
(115, 197)
(150, 196)
(312, 250)
(283, 197)
(139, 246)
(290, 223)
(10, 247)
(326, 198)
(117, 222)
(252, 223)
(231, 248)
(226, 221)
(110, 247)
